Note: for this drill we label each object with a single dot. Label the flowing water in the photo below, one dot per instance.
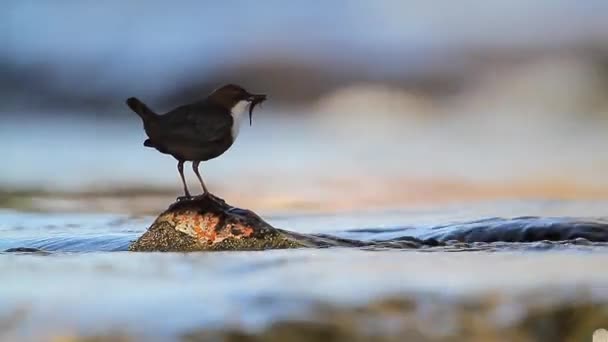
(68, 274)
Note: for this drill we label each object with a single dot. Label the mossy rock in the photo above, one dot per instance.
(207, 223)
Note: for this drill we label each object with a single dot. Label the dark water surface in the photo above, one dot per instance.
(85, 283)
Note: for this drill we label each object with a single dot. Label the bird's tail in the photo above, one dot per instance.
(141, 109)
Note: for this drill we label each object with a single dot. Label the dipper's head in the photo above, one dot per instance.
(235, 98)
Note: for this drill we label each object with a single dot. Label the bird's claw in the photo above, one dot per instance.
(206, 195)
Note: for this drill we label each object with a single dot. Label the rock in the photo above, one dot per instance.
(207, 223)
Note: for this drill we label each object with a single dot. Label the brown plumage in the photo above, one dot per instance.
(198, 131)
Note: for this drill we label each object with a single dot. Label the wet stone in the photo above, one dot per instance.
(207, 223)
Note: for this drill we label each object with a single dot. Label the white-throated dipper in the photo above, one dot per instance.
(198, 131)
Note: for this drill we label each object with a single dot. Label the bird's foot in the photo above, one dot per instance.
(184, 198)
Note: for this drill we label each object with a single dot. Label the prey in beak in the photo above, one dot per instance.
(254, 100)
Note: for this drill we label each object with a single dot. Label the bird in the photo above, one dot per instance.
(198, 131)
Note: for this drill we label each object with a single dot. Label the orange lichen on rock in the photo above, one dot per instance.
(244, 230)
(195, 224)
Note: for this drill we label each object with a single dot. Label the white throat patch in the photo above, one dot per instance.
(237, 115)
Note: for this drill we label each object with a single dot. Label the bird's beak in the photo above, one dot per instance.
(254, 100)
(257, 97)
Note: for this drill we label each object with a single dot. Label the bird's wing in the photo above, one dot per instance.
(199, 123)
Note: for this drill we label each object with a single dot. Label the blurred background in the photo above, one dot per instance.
(371, 103)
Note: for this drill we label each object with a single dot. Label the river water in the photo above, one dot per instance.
(82, 282)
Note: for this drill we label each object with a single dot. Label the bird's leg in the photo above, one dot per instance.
(180, 168)
(195, 169)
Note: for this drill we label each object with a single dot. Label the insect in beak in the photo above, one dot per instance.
(254, 100)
